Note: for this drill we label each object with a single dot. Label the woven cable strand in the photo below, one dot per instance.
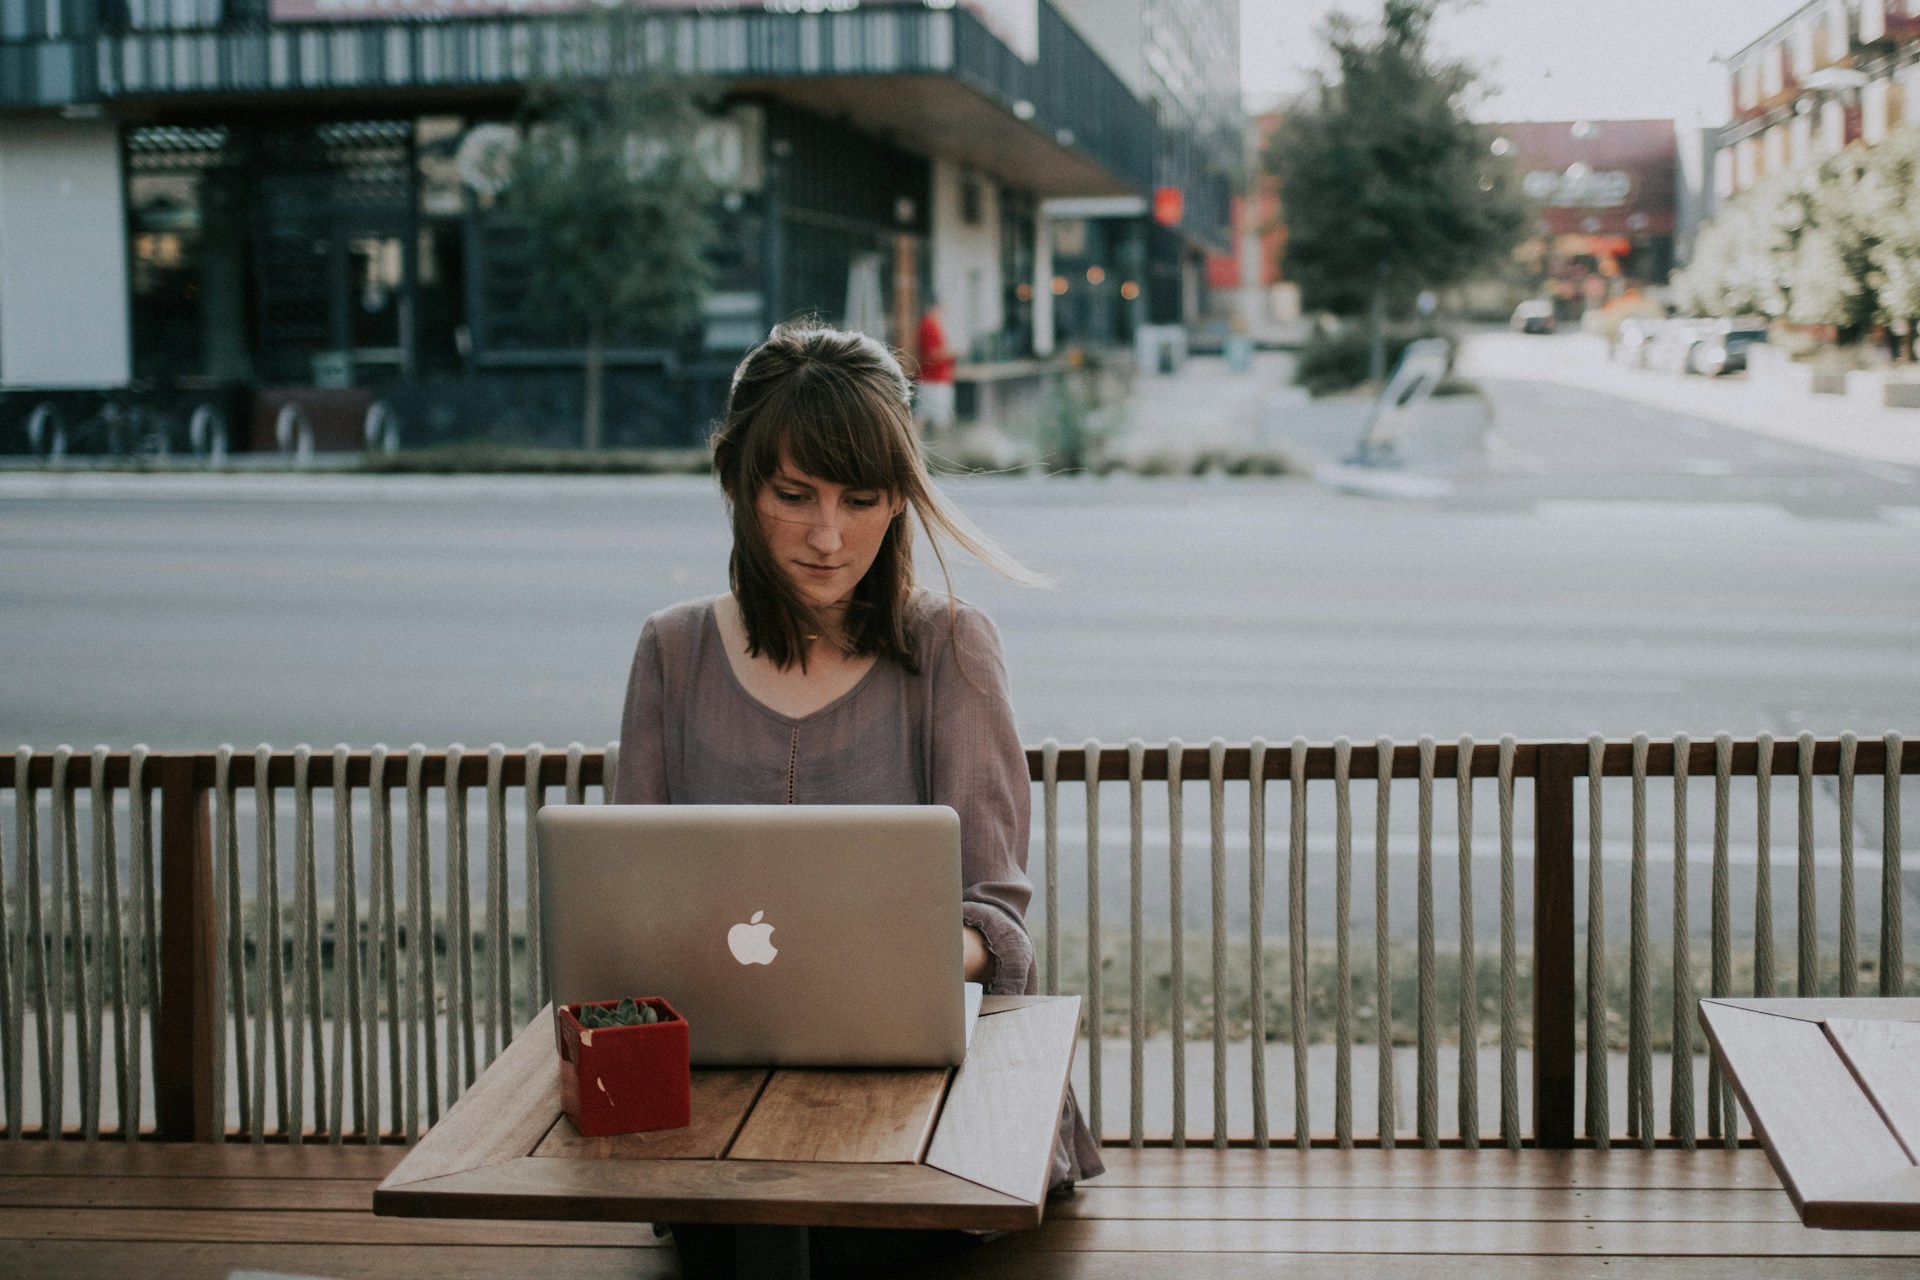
(1385, 1093)
(1893, 965)
(349, 1047)
(1427, 1090)
(1342, 943)
(1806, 911)
(423, 1087)
(383, 933)
(1599, 1124)
(28, 959)
(1639, 965)
(229, 973)
(499, 933)
(1050, 872)
(1096, 1003)
(268, 975)
(307, 1016)
(1297, 936)
(66, 929)
(1257, 936)
(143, 963)
(539, 990)
(1849, 958)
(101, 927)
(1680, 1114)
(1510, 1133)
(1217, 881)
(461, 1045)
(1763, 867)
(1177, 929)
(1468, 1098)
(1136, 944)
(105, 954)
(1722, 1118)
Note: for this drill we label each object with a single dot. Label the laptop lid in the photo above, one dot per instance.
(789, 935)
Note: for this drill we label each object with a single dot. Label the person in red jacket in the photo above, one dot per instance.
(933, 400)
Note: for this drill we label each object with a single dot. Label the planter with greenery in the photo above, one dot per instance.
(624, 1066)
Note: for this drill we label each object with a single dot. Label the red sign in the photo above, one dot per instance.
(1168, 205)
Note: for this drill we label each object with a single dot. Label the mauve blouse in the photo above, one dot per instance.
(692, 734)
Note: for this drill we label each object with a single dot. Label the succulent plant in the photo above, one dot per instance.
(627, 1013)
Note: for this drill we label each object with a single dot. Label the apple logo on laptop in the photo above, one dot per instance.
(752, 942)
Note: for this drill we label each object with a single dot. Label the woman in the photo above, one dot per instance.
(826, 676)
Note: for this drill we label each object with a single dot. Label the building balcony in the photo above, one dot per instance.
(930, 79)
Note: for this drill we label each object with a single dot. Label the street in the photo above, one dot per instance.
(1600, 566)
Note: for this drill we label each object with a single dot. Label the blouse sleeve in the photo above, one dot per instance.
(980, 770)
(642, 777)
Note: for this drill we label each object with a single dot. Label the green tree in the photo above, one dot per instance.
(1386, 187)
(1892, 193)
(617, 206)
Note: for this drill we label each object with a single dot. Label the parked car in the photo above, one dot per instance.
(1635, 336)
(1720, 345)
(1535, 315)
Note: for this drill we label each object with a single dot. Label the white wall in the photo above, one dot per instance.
(63, 255)
(966, 257)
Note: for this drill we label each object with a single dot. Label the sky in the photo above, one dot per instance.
(1545, 59)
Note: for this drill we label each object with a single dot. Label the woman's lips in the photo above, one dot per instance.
(818, 570)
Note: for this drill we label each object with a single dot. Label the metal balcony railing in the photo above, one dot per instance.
(330, 946)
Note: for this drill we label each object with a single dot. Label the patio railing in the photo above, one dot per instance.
(330, 946)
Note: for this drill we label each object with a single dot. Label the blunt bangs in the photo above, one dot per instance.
(830, 427)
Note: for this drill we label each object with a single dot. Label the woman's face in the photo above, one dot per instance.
(822, 535)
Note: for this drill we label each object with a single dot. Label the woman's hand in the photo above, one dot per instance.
(979, 960)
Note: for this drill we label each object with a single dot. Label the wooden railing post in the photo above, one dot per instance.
(1554, 1012)
(184, 1106)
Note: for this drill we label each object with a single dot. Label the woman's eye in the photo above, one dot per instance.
(864, 501)
(789, 497)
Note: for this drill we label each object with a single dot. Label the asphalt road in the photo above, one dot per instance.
(1598, 566)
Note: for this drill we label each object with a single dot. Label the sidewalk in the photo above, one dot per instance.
(1833, 424)
(1207, 407)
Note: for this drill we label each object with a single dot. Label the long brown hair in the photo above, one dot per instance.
(836, 405)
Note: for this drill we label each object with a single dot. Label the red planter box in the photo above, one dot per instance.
(625, 1079)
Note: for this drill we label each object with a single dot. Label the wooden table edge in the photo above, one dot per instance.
(451, 1195)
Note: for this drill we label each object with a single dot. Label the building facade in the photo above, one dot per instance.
(1608, 192)
(246, 202)
(1832, 73)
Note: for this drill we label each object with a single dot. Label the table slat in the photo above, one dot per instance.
(502, 1116)
(1821, 1008)
(1885, 1056)
(869, 1117)
(301, 1227)
(1824, 1135)
(1003, 1109)
(1892, 1203)
(783, 1193)
(721, 1098)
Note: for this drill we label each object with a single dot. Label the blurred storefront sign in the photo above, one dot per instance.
(1578, 187)
(1169, 203)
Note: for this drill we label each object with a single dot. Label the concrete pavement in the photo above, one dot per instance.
(1835, 424)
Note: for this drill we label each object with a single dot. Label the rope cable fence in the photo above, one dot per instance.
(330, 946)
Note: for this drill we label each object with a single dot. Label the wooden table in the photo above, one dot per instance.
(1833, 1089)
(777, 1150)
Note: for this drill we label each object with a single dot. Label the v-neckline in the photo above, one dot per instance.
(719, 638)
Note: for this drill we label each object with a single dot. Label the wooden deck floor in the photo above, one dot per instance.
(118, 1212)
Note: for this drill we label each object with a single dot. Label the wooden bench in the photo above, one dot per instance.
(116, 1211)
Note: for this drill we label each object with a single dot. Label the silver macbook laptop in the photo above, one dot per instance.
(788, 935)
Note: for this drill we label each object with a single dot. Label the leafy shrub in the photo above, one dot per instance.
(1336, 359)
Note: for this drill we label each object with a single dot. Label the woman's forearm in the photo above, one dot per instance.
(979, 961)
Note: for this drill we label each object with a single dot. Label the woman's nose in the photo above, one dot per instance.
(823, 533)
